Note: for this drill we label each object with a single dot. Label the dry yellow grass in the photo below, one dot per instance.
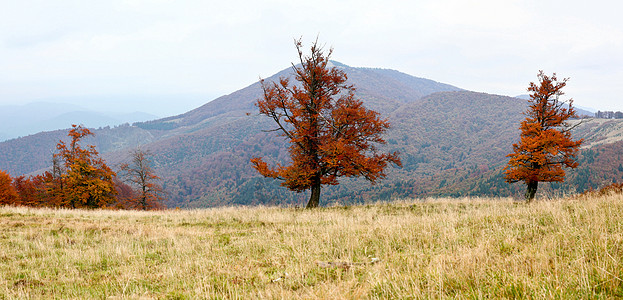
(467, 248)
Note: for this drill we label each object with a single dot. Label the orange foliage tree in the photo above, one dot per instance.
(83, 180)
(140, 174)
(8, 194)
(546, 145)
(330, 131)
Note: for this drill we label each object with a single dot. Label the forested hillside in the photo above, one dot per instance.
(452, 142)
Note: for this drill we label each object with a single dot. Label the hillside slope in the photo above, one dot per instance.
(452, 142)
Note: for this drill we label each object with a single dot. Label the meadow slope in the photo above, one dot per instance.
(476, 248)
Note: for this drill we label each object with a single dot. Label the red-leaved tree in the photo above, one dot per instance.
(31, 190)
(330, 131)
(546, 145)
(8, 194)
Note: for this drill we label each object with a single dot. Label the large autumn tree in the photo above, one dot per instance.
(331, 133)
(80, 177)
(546, 145)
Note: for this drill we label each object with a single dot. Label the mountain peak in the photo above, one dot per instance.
(333, 63)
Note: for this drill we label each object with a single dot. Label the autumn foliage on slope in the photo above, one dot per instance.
(546, 145)
(330, 131)
(79, 179)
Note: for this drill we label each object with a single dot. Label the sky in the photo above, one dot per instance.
(167, 57)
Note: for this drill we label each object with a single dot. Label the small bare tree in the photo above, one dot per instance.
(140, 175)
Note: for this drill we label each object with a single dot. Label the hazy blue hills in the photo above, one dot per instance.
(23, 120)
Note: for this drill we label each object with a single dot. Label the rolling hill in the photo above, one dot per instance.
(452, 142)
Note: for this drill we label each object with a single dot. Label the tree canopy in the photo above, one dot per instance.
(330, 131)
(8, 194)
(84, 178)
(546, 145)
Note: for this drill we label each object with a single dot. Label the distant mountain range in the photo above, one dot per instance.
(581, 111)
(23, 120)
(452, 143)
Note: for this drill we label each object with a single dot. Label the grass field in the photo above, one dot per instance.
(465, 248)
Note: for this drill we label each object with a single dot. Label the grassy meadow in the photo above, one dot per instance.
(458, 248)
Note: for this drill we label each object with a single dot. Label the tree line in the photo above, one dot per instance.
(609, 115)
(79, 178)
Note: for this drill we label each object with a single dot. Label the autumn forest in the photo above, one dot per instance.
(359, 135)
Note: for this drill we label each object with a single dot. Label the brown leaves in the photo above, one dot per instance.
(86, 181)
(79, 178)
(8, 195)
(546, 145)
(330, 132)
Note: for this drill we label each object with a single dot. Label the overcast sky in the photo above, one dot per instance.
(121, 55)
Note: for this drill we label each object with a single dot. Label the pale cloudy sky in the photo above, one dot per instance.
(171, 56)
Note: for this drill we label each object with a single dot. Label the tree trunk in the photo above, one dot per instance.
(314, 199)
(531, 190)
(144, 198)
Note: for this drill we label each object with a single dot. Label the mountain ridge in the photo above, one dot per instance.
(452, 142)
